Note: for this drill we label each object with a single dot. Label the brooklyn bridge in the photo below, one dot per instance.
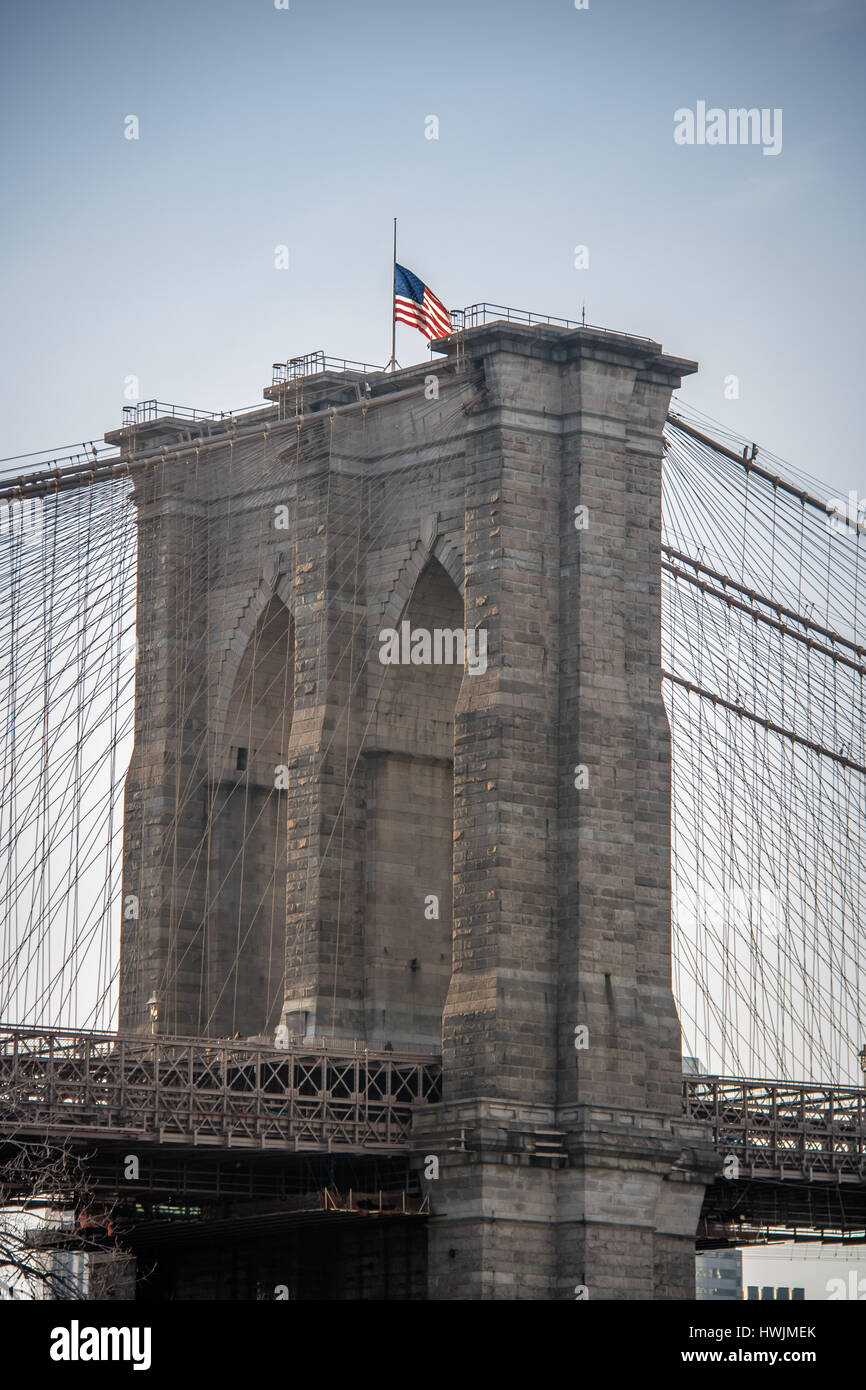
(416, 981)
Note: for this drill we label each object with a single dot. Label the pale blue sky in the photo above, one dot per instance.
(306, 127)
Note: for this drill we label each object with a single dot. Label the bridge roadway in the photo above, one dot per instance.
(795, 1152)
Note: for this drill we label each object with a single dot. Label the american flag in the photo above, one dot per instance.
(416, 304)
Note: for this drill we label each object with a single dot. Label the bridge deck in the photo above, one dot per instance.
(197, 1092)
(783, 1129)
(215, 1094)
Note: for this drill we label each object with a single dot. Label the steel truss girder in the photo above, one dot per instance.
(204, 1092)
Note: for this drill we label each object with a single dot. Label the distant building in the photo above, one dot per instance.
(35, 1271)
(719, 1275)
(768, 1294)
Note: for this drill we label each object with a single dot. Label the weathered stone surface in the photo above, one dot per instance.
(561, 1168)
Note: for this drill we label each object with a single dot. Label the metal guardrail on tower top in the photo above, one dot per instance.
(309, 363)
(475, 314)
(145, 412)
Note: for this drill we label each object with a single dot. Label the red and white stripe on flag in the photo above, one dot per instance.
(431, 316)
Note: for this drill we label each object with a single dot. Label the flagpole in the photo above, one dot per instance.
(393, 363)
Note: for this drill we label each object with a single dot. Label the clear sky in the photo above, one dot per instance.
(260, 127)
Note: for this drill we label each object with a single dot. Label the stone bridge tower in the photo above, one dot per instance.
(429, 856)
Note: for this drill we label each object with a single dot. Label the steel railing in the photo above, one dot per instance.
(145, 412)
(211, 1092)
(320, 1097)
(786, 1129)
(475, 314)
(309, 363)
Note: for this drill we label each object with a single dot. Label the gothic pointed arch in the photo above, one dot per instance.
(410, 757)
(272, 582)
(247, 857)
(447, 552)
